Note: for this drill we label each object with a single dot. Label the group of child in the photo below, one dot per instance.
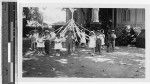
(40, 40)
(42, 43)
(96, 41)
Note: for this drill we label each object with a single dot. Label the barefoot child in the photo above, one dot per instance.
(40, 44)
(102, 37)
(113, 37)
(33, 38)
(83, 39)
(99, 41)
(92, 42)
(70, 42)
(58, 44)
(47, 43)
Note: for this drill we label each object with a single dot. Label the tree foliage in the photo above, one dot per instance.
(32, 13)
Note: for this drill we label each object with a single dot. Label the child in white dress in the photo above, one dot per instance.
(58, 45)
(83, 39)
(92, 41)
(40, 44)
(99, 41)
(113, 37)
(102, 37)
(33, 37)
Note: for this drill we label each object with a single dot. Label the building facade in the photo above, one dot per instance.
(109, 18)
(132, 16)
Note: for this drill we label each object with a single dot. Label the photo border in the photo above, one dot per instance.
(29, 79)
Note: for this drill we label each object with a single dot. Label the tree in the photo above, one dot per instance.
(32, 14)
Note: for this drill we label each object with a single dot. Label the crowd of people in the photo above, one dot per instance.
(49, 41)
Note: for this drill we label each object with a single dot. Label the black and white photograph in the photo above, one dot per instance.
(61, 42)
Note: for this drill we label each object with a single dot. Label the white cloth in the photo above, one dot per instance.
(47, 37)
(53, 35)
(102, 37)
(83, 37)
(40, 42)
(92, 41)
(34, 37)
(113, 36)
(58, 44)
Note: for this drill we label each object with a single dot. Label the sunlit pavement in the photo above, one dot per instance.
(124, 62)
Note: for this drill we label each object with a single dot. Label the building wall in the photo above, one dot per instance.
(120, 17)
(133, 17)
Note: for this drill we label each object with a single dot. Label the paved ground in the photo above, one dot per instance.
(125, 62)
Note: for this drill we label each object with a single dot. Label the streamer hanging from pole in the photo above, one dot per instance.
(73, 26)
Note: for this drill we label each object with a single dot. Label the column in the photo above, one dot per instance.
(113, 18)
(68, 14)
(95, 15)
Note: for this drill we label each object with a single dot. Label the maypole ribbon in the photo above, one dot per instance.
(62, 27)
(82, 27)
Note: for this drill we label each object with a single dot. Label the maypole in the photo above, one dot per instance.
(72, 25)
(72, 12)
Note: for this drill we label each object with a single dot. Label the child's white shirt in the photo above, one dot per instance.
(40, 42)
(58, 43)
(92, 41)
(83, 37)
(102, 37)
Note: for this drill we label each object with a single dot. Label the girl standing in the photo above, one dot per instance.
(102, 37)
(33, 37)
(113, 37)
(83, 39)
(92, 42)
(40, 44)
(58, 44)
(99, 39)
(69, 42)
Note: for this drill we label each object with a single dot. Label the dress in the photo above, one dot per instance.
(53, 35)
(40, 42)
(58, 44)
(92, 41)
(83, 40)
(102, 38)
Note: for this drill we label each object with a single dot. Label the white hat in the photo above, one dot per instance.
(128, 26)
(113, 30)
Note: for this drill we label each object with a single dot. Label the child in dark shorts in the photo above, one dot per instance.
(111, 36)
(98, 42)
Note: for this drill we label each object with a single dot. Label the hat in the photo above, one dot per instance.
(92, 31)
(98, 30)
(46, 31)
(128, 26)
(112, 30)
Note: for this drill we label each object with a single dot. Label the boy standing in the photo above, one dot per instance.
(69, 41)
(83, 39)
(34, 37)
(47, 43)
(113, 37)
(98, 42)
